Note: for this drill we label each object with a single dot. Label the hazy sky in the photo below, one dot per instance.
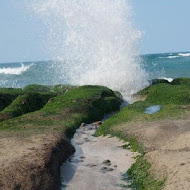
(164, 23)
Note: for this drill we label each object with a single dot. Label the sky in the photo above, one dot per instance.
(164, 25)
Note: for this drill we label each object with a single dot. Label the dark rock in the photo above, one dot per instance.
(106, 169)
(83, 124)
(107, 162)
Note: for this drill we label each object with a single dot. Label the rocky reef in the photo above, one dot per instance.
(36, 125)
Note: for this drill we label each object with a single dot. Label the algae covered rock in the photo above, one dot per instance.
(61, 88)
(7, 95)
(158, 81)
(37, 88)
(65, 111)
(57, 89)
(23, 104)
(181, 81)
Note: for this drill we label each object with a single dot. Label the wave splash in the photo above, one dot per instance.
(96, 42)
(15, 70)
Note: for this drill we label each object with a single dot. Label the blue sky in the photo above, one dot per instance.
(164, 23)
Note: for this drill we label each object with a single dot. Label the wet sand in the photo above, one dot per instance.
(99, 163)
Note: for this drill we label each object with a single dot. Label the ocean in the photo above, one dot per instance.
(18, 75)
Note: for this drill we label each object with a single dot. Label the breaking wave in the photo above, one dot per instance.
(15, 70)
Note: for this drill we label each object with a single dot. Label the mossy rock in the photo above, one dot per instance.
(13, 91)
(159, 81)
(23, 104)
(181, 81)
(7, 95)
(169, 94)
(37, 88)
(118, 94)
(59, 89)
(63, 113)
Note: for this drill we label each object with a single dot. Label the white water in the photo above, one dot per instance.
(15, 70)
(95, 41)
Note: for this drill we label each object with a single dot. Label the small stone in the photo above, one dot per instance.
(92, 165)
(97, 123)
(83, 124)
(86, 139)
(82, 157)
(106, 162)
(105, 169)
(115, 166)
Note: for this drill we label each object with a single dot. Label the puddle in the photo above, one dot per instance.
(152, 109)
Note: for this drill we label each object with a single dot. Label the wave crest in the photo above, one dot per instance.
(184, 54)
(15, 70)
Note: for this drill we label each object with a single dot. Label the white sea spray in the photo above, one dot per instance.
(94, 42)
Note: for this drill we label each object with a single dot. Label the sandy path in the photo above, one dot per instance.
(86, 170)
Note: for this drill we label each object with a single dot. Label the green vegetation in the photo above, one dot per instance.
(63, 113)
(24, 104)
(182, 81)
(141, 177)
(37, 88)
(7, 95)
(57, 89)
(16, 102)
(174, 99)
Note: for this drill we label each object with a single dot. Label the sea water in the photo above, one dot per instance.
(167, 65)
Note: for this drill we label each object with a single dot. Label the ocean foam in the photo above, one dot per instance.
(177, 56)
(15, 70)
(96, 40)
(168, 79)
(184, 54)
(170, 57)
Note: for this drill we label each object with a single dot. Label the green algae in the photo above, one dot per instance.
(65, 112)
(23, 104)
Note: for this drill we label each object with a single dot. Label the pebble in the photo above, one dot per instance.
(86, 139)
(83, 124)
(92, 165)
(107, 162)
(106, 169)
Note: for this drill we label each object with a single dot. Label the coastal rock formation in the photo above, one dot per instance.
(34, 145)
(162, 138)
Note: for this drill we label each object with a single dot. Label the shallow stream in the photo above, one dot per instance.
(99, 163)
